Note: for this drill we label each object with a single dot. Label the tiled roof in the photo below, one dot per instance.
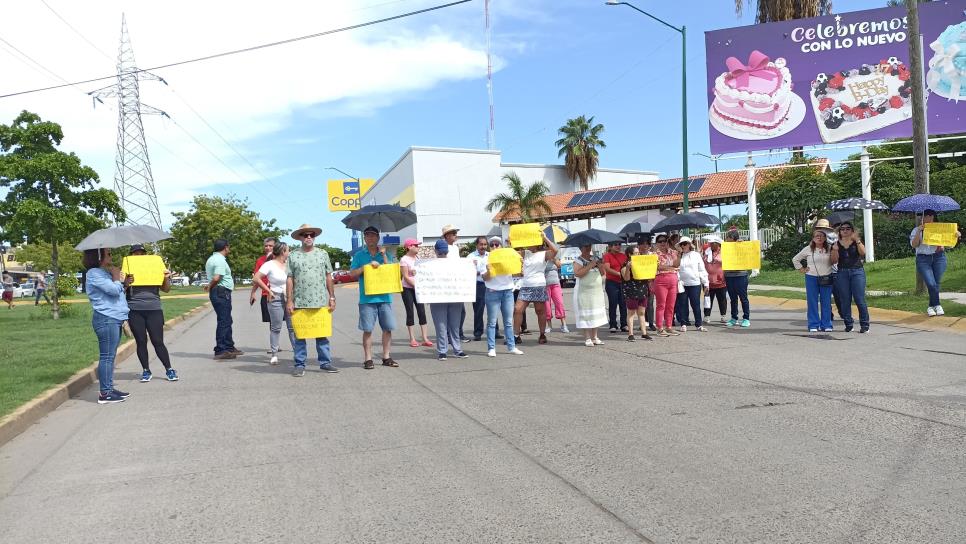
(718, 186)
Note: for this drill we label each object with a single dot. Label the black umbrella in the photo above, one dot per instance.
(837, 218)
(690, 220)
(856, 203)
(385, 217)
(591, 236)
(633, 229)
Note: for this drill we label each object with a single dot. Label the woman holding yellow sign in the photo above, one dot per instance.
(497, 268)
(146, 319)
(635, 295)
(533, 288)
(930, 261)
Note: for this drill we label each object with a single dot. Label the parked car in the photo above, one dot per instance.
(342, 276)
(180, 281)
(247, 281)
(198, 283)
(17, 290)
(28, 289)
(567, 256)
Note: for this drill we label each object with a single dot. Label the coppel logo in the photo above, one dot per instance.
(350, 187)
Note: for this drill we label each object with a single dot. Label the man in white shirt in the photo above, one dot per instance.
(449, 235)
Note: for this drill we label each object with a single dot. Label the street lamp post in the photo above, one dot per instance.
(355, 233)
(684, 93)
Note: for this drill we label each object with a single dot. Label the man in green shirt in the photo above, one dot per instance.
(310, 286)
(373, 308)
(219, 287)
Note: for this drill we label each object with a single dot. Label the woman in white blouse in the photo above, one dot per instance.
(818, 280)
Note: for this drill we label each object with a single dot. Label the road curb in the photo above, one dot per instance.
(23, 417)
(877, 315)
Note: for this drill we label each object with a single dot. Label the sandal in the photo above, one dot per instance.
(543, 339)
(389, 362)
(414, 344)
(368, 365)
(428, 344)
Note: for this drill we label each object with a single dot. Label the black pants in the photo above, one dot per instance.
(221, 302)
(615, 303)
(409, 300)
(478, 306)
(836, 299)
(719, 293)
(149, 324)
(649, 309)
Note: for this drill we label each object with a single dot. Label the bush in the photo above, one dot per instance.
(66, 286)
(780, 252)
(891, 235)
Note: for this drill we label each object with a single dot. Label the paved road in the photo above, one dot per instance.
(759, 435)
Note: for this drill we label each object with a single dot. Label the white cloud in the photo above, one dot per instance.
(244, 96)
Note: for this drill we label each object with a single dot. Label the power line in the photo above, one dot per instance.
(248, 49)
(70, 26)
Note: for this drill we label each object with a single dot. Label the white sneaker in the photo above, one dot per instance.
(931, 311)
(516, 351)
(723, 320)
(598, 342)
(548, 330)
(274, 360)
(491, 353)
(564, 328)
(684, 328)
(702, 329)
(589, 343)
(939, 310)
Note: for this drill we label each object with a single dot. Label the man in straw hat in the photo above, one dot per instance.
(449, 235)
(310, 285)
(373, 308)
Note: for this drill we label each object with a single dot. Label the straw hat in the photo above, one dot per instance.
(823, 225)
(449, 228)
(297, 233)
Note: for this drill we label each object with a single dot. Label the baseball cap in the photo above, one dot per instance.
(370, 228)
(137, 247)
(410, 242)
(441, 247)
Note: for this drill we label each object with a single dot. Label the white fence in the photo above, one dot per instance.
(767, 237)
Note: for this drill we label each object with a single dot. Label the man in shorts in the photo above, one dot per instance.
(373, 307)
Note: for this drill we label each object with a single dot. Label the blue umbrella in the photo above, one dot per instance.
(385, 217)
(923, 201)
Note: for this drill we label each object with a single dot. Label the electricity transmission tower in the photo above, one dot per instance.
(133, 180)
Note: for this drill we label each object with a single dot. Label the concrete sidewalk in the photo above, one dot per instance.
(767, 434)
(951, 295)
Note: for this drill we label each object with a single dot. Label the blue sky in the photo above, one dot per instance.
(357, 102)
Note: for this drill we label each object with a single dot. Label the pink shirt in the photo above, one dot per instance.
(410, 263)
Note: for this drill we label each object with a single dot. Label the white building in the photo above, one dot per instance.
(452, 186)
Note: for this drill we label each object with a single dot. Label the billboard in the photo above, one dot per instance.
(838, 78)
(345, 195)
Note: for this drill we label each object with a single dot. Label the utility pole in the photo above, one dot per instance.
(133, 179)
(919, 136)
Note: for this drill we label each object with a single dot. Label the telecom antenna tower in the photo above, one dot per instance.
(133, 180)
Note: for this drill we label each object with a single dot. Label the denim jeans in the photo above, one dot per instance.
(446, 320)
(499, 303)
(221, 302)
(850, 285)
(692, 295)
(322, 350)
(108, 331)
(819, 299)
(615, 302)
(738, 290)
(278, 317)
(931, 268)
(478, 306)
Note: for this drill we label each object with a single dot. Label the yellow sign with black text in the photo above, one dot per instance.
(345, 195)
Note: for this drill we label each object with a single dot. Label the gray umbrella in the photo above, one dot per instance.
(385, 217)
(122, 236)
(685, 221)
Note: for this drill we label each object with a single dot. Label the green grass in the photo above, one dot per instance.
(886, 275)
(907, 303)
(37, 353)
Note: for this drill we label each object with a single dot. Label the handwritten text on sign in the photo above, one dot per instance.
(643, 267)
(526, 235)
(148, 270)
(504, 261)
(382, 280)
(312, 323)
(741, 255)
(445, 280)
(940, 234)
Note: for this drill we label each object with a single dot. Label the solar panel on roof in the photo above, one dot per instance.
(622, 193)
(597, 197)
(646, 191)
(573, 201)
(633, 192)
(659, 189)
(582, 198)
(609, 196)
(696, 185)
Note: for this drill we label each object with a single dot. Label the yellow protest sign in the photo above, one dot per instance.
(940, 234)
(382, 280)
(504, 261)
(312, 323)
(643, 267)
(526, 235)
(741, 255)
(148, 270)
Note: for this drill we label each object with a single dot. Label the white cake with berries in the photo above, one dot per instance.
(947, 67)
(753, 99)
(860, 100)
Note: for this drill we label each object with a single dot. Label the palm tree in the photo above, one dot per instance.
(529, 202)
(768, 11)
(581, 138)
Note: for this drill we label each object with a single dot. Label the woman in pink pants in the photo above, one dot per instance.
(666, 286)
(555, 297)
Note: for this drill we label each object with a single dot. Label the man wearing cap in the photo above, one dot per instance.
(373, 307)
(453, 252)
(446, 316)
(310, 286)
(267, 246)
(219, 287)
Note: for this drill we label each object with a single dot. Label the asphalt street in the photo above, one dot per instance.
(768, 434)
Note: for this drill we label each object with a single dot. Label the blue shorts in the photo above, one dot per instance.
(368, 313)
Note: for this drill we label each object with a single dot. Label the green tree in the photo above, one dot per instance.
(795, 196)
(767, 11)
(52, 197)
(578, 145)
(211, 218)
(891, 182)
(529, 202)
(336, 255)
(38, 253)
(739, 220)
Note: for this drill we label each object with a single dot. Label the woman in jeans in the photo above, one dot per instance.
(276, 271)
(694, 276)
(930, 263)
(105, 290)
(146, 319)
(666, 286)
(737, 283)
(407, 267)
(635, 296)
(499, 302)
(717, 288)
(848, 253)
(818, 280)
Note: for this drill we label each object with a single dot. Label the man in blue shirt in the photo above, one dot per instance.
(220, 285)
(373, 307)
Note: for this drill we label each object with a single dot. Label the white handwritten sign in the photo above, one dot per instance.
(445, 280)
